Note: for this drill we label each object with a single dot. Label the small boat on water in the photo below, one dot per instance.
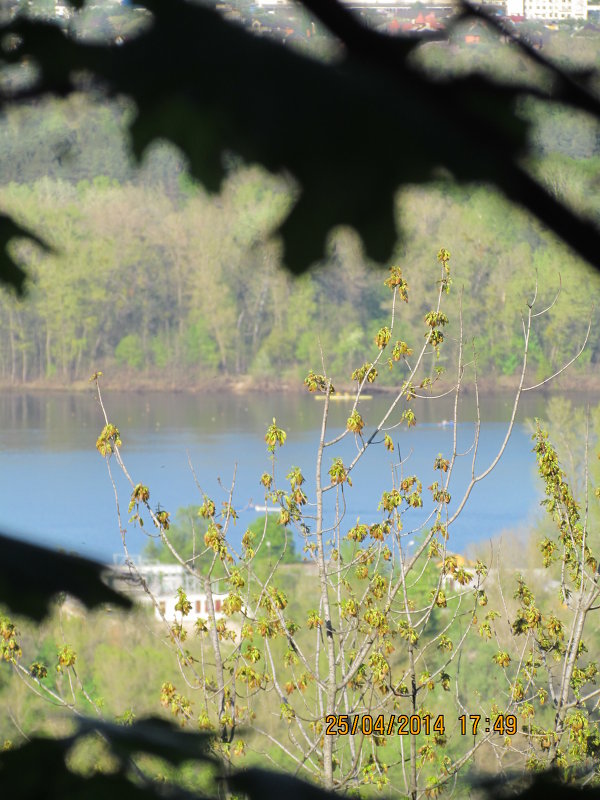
(445, 423)
(343, 397)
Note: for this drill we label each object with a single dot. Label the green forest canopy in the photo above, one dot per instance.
(159, 283)
(186, 537)
(341, 131)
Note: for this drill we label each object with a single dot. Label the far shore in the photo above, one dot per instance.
(242, 385)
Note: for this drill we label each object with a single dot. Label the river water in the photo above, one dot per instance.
(56, 489)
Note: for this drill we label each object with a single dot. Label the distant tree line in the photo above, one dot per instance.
(157, 282)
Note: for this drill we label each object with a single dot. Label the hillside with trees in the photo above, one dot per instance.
(158, 284)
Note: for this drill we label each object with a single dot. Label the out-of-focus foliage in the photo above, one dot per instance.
(186, 535)
(30, 579)
(157, 283)
(339, 128)
(197, 95)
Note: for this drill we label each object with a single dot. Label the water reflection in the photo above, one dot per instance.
(56, 488)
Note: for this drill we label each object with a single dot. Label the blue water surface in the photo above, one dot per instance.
(56, 489)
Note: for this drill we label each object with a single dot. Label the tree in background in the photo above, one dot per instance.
(349, 668)
(148, 288)
(186, 537)
(547, 641)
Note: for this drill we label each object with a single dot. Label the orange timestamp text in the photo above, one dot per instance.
(414, 725)
(402, 725)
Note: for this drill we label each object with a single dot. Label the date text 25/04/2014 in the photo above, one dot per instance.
(405, 725)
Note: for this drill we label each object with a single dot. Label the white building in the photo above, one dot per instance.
(530, 9)
(388, 5)
(547, 9)
(199, 610)
(556, 9)
(163, 581)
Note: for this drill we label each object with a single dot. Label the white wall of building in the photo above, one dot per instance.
(199, 601)
(514, 8)
(531, 9)
(555, 9)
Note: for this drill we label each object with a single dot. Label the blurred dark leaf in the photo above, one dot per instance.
(31, 576)
(350, 133)
(11, 274)
(262, 784)
(78, 4)
(38, 770)
(155, 736)
(31, 770)
(541, 786)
